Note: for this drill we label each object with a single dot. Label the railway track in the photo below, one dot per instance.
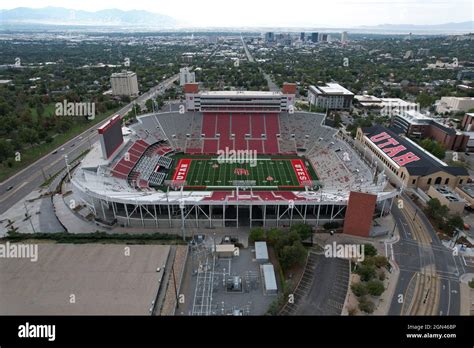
(426, 283)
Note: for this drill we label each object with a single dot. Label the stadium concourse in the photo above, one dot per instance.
(137, 184)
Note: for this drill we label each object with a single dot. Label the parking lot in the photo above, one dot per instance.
(323, 287)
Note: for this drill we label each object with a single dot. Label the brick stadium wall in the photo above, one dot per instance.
(360, 211)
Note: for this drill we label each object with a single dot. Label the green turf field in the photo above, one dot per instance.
(266, 173)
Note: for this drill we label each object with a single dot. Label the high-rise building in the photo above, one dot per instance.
(314, 37)
(124, 84)
(344, 37)
(302, 35)
(186, 76)
(269, 37)
(324, 37)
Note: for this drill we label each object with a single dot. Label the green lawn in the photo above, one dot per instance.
(266, 173)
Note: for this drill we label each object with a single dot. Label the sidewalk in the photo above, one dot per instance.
(467, 294)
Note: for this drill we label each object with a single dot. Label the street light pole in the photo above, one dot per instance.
(181, 206)
(67, 167)
(29, 217)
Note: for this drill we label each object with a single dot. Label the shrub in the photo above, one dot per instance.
(366, 272)
(273, 236)
(304, 231)
(359, 289)
(292, 255)
(369, 250)
(382, 276)
(257, 234)
(352, 311)
(380, 261)
(366, 306)
(375, 287)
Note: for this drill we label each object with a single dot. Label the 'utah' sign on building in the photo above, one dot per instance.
(393, 149)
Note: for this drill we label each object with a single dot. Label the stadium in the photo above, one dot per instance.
(229, 159)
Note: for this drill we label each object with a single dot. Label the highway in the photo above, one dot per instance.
(31, 177)
(271, 84)
(429, 272)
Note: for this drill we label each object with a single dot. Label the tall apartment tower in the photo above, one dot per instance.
(185, 76)
(344, 37)
(124, 83)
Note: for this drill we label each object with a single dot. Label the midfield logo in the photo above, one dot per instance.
(241, 171)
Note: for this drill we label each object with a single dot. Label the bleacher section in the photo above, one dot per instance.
(123, 168)
(240, 131)
(156, 179)
(149, 165)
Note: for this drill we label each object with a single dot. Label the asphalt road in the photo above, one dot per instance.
(31, 178)
(411, 256)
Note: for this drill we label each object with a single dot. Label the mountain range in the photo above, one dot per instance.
(59, 16)
(64, 16)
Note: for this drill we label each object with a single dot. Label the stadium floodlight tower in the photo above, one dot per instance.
(181, 207)
(291, 206)
(67, 167)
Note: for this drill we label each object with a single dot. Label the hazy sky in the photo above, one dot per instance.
(314, 13)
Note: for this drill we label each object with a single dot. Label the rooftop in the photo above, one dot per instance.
(123, 74)
(468, 189)
(240, 93)
(449, 194)
(331, 88)
(261, 251)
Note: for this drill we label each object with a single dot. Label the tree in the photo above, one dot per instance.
(292, 255)
(454, 222)
(257, 234)
(436, 210)
(6, 150)
(366, 272)
(273, 236)
(366, 306)
(359, 289)
(304, 231)
(375, 287)
(425, 100)
(380, 261)
(369, 250)
(149, 105)
(28, 136)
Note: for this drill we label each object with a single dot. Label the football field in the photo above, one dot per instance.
(264, 173)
